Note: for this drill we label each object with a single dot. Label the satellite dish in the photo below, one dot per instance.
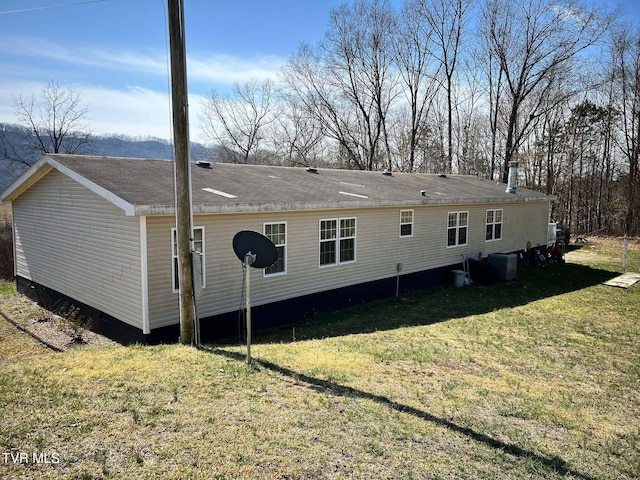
(254, 243)
(256, 250)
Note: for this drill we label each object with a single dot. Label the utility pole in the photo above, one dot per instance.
(182, 168)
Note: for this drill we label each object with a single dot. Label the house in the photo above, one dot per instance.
(99, 231)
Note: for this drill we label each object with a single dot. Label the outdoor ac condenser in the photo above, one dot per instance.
(504, 266)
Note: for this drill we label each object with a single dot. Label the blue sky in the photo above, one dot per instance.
(115, 52)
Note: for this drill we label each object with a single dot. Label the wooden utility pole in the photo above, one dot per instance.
(182, 168)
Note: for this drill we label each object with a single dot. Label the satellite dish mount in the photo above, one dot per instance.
(253, 250)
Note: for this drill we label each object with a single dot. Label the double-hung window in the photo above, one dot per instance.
(337, 241)
(347, 240)
(406, 223)
(198, 246)
(494, 225)
(277, 233)
(457, 228)
(328, 241)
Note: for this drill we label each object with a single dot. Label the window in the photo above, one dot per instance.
(328, 235)
(494, 225)
(347, 240)
(406, 223)
(457, 226)
(337, 241)
(277, 233)
(198, 245)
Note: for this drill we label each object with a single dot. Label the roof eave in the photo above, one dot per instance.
(151, 210)
(43, 166)
(21, 184)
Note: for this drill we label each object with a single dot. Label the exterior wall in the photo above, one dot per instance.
(74, 242)
(379, 248)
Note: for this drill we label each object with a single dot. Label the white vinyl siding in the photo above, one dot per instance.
(81, 245)
(427, 249)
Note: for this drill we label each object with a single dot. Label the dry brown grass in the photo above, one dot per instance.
(16, 345)
(535, 379)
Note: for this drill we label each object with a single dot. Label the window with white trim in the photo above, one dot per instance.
(494, 225)
(406, 223)
(347, 240)
(457, 228)
(198, 245)
(337, 241)
(277, 233)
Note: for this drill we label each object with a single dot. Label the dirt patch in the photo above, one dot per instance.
(596, 247)
(56, 332)
(633, 243)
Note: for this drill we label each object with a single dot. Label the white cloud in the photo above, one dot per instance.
(133, 111)
(99, 75)
(218, 68)
(83, 55)
(227, 69)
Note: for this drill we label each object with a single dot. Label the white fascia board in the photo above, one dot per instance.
(44, 166)
(34, 173)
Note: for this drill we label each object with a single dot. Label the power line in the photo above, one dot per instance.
(48, 7)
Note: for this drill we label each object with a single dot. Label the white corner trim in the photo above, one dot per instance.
(144, 276)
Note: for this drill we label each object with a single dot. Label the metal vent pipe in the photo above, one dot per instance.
(513, 177)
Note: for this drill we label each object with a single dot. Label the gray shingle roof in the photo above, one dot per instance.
(149, 186)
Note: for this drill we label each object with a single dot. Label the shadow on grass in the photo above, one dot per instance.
(440, 304)
(555, 463)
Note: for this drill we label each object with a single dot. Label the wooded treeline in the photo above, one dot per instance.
(458, 86)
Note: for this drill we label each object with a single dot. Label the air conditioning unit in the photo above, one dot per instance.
(504, 266)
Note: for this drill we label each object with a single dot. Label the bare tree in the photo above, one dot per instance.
(55, 122)
(297, 137)
(236, 120)
(418, 72)
(534, 42)
(445, 19)
(471, 124)
(626, 75)
(347, 82)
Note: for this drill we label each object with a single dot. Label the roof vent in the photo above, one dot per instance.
(387, 172)
(312, 170)
(203, 164)
(512, 179)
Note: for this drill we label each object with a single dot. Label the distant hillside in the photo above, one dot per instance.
(19, 138)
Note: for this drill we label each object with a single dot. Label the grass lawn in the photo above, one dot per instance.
(538, 379)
